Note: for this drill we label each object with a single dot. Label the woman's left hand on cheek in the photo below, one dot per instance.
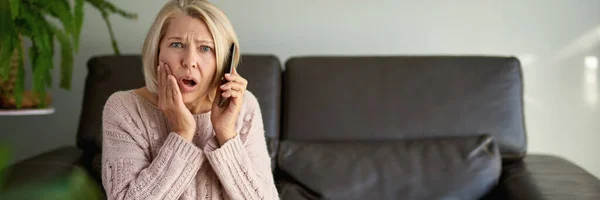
(224, 118)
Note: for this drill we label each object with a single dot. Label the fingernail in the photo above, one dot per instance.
(222, 87)
(227, 74)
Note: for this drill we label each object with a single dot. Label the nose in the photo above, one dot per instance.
(190, 59)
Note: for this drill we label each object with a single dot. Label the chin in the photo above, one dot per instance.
(189, 97)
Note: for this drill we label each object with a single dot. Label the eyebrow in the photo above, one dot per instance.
(197, 41)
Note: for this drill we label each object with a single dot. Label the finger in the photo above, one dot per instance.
(165, 86)
(236, 78)
(168, 91)
(233, 86)
(226, 94)
(169, 70)
(161, 84)
(175, 93)
(235, 96)
(158, 80)
(231, 94)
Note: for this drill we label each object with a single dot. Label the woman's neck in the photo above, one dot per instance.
(200, 106)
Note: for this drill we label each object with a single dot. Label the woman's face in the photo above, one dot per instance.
(188, 48)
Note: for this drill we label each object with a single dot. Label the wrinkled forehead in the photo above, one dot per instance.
(185, 27)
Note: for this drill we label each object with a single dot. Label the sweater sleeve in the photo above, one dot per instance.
(244, 167)
(129, 172)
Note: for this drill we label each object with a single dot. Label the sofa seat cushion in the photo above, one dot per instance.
(450, 168)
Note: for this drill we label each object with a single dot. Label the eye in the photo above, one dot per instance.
(176, 45)
(205, 48)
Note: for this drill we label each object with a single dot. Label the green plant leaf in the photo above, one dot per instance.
(20, 84)
(14, 8)
(43, 49)
(33, 54)
(39, 64)
(39, 32)
(22, 28)
(48, 78)
(39, 75)
(6, 39)
(43, 63)
(50, 51)
(106, 9)
(66, 54)
(66, 60)
(111, 33)
(112, 8)
(8, 43)
(6, 52)
(78, 23)
(98, 4)
(5, 17)
(27, 18)
(61, 10)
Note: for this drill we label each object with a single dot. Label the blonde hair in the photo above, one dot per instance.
(217, 22)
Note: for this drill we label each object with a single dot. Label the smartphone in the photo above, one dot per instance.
(228, 69)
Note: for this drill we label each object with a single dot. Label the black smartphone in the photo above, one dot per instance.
(228, 69)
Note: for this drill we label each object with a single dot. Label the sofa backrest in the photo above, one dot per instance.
(397, 98)
(264, 81)
(108, 74)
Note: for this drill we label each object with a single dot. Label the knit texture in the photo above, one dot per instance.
(141, 159)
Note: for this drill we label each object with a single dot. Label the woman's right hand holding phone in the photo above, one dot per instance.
(170, 102)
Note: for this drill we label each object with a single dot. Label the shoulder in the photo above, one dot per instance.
(119, 104)
(250, 102)
(119, 100)
(251, 110)
(250, 121)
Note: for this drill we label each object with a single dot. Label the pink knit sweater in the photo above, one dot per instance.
(141, 159)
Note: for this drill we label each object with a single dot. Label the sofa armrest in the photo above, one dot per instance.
(545, 177)
(42, 167)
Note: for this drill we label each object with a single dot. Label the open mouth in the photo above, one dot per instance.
(187, 84)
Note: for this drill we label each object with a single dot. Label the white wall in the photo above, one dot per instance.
(551, 37)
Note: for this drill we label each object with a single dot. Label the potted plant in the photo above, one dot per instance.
(21, 19)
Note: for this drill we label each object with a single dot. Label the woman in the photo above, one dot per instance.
(170, 139)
